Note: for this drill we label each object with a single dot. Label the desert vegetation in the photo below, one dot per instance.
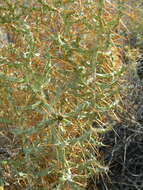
(63, 84)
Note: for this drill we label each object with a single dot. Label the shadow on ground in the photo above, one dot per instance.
(124, 156)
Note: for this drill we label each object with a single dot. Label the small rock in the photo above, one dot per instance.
(140, 114)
